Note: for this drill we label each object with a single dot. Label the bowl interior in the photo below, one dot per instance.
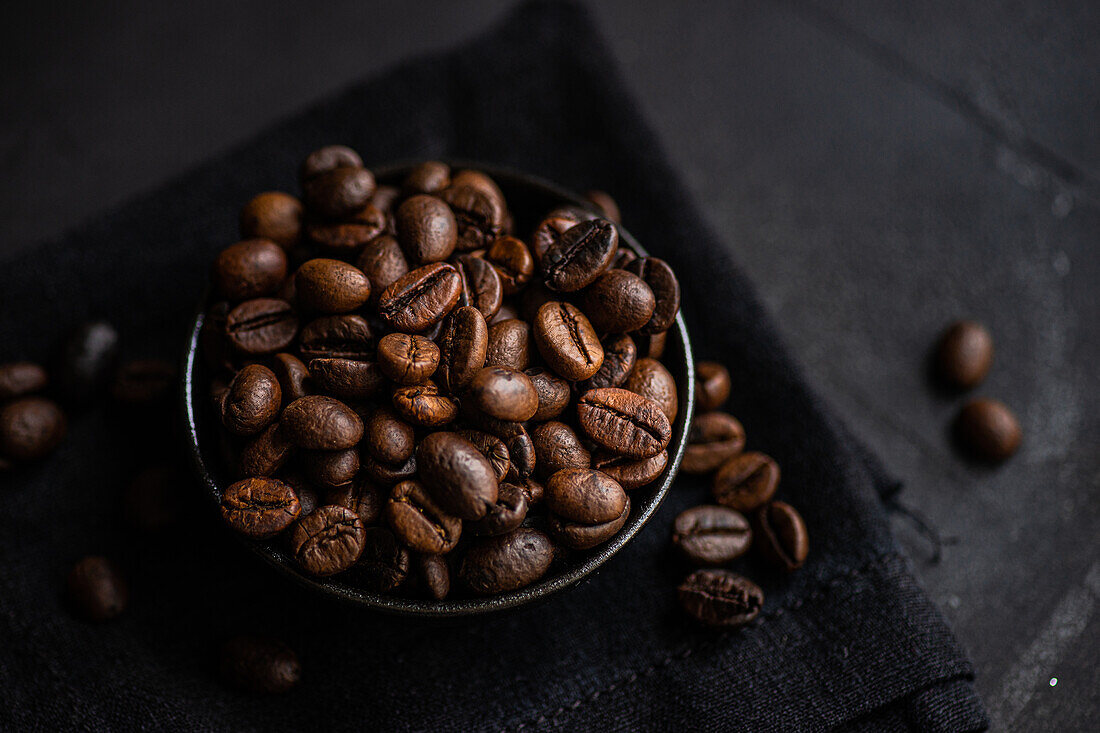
(529, 199)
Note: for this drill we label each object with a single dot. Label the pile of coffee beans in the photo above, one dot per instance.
(424, 398)
(745, 514)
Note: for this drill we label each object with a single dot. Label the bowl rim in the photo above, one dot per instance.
(466, 607)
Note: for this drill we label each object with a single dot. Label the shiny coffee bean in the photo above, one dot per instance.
(557, 448)
(421, 298)
(347, 379)
(143, 382)
(385, 199)
(588, 507)
(260, 664)
(462, 345)
(553, 226)
(720, 598)
(418, 520)
(513, 262)
(651, 380)
(567, 341)
(349, 236)
(273, 215)
(617, 302)
(431, 176)
(505, 394)
(293, 376)
(506, 562)
(337, 337)
(988, 430)
(30, 428)
(326, 159)
(631, 473)
(553, 391)
(260, 507)
(712, 385)
(714, 438)
(327, 469)
(328, 541)
(492, 448)
(387, 474)
(86, 362)
(407, 359)
(385, 561)
(458, 475)
(433, 575)
(710, 536)
(509, 344)
(964, 354)
(261, 326)
(253, 400)
(605, 205)
(317, 422)
(361, 496)
(424, 405)
(507, 514)
(619, 357)
(265, 454)
(746, 481)
(426, 229)
(580, 255)
(624, 422)
(534, 491)
(481, 285)
(666, 290)
(478, 181)
(21, 378)
(331, 286)
(780, 535)
(339, 192)
(97, 589)
(389, 438)
(383, 262)
(575, 535)
(480, 216)
(521, 449)
(254, 268)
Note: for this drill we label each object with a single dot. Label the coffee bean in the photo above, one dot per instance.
(293, 376)
(97, 590)
(265, 454)
(712, 385)
(631, 473)
(87, 362)
(426, 229)
(385, 561)
(329, 469)
(651, 380)
(261, 326)
(361, 496)
(534, 491)
(339, 192)
(557, 448)
(407, 359)
(507, 514)
(580, 255)
(260, 664)
(421, 298)
(666, 291)
(387, 474)
(619, 357)
(385, 198)
(988, 430)
(780, 535)
(433, 576)
(143, 382)
(337, 337)
(492, 448)
(275, 216)
(506, 562)
(21, 378)
(551, 228)
(478, 181)
(348, 236)
(431, 176)
(746, 481)
(651, 345)
(254, 268)
(316, 422)
(553, 392)
(481, 285)
(383, 262)
(588, 507)
(624, 422)
(389, 438)
(617, 302)
(458, 475)
(964, 354)
(329, 541)
(623, 258)
(513, 262)
(521, 450)
(419, 522)
(424, 405)
(260, 507)
(709, 536)
(714, 438)
(326, 159)
(505, 394)
(720, 598)
(509, 344)
(331, 286)
(480, 216)
(605, 205)
(567, 341)
(462, 345)
(347, 379)
(253, 400)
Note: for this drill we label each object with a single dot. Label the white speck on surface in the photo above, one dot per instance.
(1061, 264)
(1053, 681)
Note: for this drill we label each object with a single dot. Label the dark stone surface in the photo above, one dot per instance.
(880, 170)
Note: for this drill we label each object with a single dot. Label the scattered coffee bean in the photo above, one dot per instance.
(720, 598)
(274, 216)
(712, 385)
(746, 481)
(780, 535)
(30, 428)
(710, 536)
(714, 438)
(988, 430)
(260, 664)
(964, 354)
(21, 378)
(97, 590)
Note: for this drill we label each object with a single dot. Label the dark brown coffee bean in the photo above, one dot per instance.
(463, 346)
(253, 400)
(331, 286)
(712, 385)
(326, 159)
(30, 428)
(964, 354)
(619, 358)
(481, 285)
(152, 501)
(88, 357)
(339, 192)
(746, 481)
(361, 496)
(534, 491)
(385, 198)
(261, 326)
(329, 541)
(556, 223)
(424, 405)
(631, 473)
(293, 376)
(419, 522)
(492, 448)
(387, 474)
(714, 438)
(260, 507)
(389, 438)
(557, 448)
(580, 255)
(431, 176)
(624, 422)
(780, 535)
(272, 215)
(617, 302)
(513, 262)
(347, 379)
(506, 562)
(509, 344)
(97, 589)
(385, 561)
(605, 205)
(505, 394)
(348, 236)
(988, 430)
(553, 392)
(710, 536)
(143, 382)
(651, 345)
(337, 337)
(666, 290)
(651, 380)
(422, 298)
(383, 262)
(458, 475)
(265, 454)
(576, 535)
(507, 514)
(426, 229)
(316, 422)
(584, 495)
(521, 449)
(407, 359)
(254, 268)
(433, 576)
(480, 216)
(623, 257)
(720, 598)
(260, 664)
(478, 181)
(567, 341)
(329, 469)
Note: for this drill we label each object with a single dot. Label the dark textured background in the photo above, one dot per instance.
(880, 169)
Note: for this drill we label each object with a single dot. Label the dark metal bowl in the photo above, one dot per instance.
(529, 197)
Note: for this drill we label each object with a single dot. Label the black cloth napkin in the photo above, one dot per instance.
(849, 642)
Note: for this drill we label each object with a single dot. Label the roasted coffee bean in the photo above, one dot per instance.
(347, 379)
(714, 438)
(21, 378)
(507, 312)
(666, 290)
(385, 561)
(533, 491)
(331, 286)
(458, 475)
(506, 562)
(651, 380)
(253, 400)
(624, 422)
(551, 228)
(746, 481)
(605, 205)
(710, 536)
(261, 326)
(780, 535)
(424, 405)
(521, 450)
(326, 159)
(385, 198)
(383, 262)
(433, 576)
(348, 236)
(426, 229)
(557, 448)
(260, 507)
(553, 392)
(316, 422)
(619, 358)
(577, 535)
(580, 255)
(419, 522)
(631, 473)
(513, 262)
(720, 598)
(153, 498)
(389, 438)
(988, 430)
(623, 258)
(567, 341)
(293, 376)
(254, 268)
(422, 298)
(463, 345)
(329, 541)
(339, 192)
(337, 337)
(478, 181)
(481, 285)
(387, 474)
(585, 495)
(712, 385)
(480, 216)
(964, 354)
(143, 382)
(87, 362)
(492, 448)
(329, 469)
(259, 664)
(407, 359)
(651, 345)
(265, 454)
(97, 590)
(509, 344)
(617, 302)
(507, 514)
(505, 394)
(361, 496)
(273, 215)
(431, 176)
